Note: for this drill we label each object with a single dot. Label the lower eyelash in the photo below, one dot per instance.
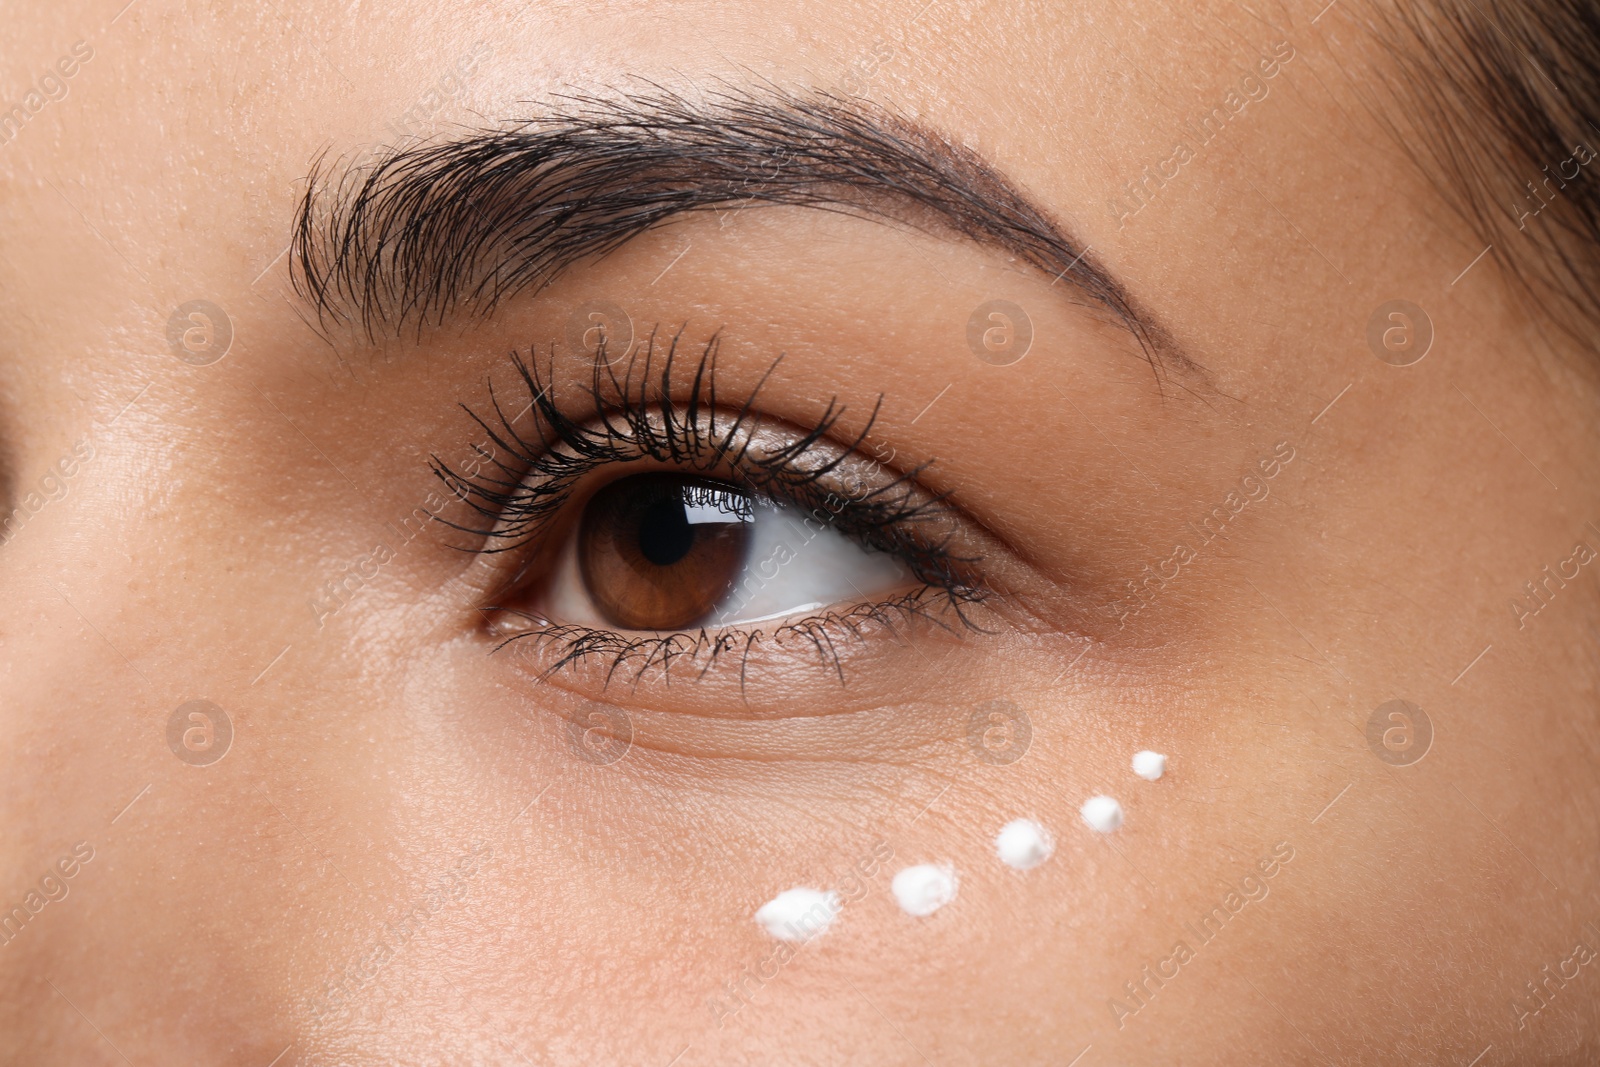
(575, 645)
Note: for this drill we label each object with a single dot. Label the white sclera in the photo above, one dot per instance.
(792, 566)
(925, 888)
(798, 914)
(1149, 765)
(1023, 844)
(1102, 813)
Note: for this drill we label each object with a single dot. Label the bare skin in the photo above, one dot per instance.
(407, 855)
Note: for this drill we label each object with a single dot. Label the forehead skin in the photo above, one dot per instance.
(387, 774)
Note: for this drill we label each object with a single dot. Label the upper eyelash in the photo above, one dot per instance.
(627, 420)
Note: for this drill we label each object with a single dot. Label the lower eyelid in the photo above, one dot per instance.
(725, 725)
(828, 642)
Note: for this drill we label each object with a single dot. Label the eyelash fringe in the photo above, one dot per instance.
(632, 415)
(576, 644)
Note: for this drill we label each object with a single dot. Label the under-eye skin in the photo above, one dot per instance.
(650, 523)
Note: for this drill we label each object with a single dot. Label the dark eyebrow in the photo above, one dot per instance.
(432, 229)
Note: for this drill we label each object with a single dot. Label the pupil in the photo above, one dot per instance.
(665, 535)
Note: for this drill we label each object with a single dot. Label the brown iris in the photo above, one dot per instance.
(660, 551)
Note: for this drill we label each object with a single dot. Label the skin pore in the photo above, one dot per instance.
(424, 844)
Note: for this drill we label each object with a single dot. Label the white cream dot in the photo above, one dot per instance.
(1023, 844)
(798, 914)
(1149, 765)
(1102, 813)
(925, 888)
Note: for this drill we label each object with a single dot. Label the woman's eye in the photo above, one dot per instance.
(668, 552)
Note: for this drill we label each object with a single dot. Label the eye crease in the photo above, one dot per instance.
(740, 530)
